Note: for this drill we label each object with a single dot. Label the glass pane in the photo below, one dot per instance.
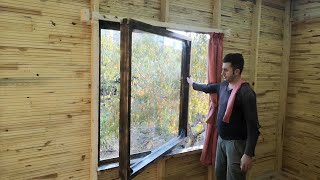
(198, 101)
(155, 91)
(109, 94)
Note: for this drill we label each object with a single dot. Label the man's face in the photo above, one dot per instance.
(227, 72)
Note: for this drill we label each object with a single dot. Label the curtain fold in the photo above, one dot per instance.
(215, 52)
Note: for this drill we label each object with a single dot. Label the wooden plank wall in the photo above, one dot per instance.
(44, 90)
(196, 13)
(267, 85)
(302, 141)
(45, 82)
(238, 16)
(131, 8)
(174, 167)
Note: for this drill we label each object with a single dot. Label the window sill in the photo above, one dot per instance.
(174, 153)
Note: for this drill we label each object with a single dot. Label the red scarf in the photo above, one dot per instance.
(227, 114)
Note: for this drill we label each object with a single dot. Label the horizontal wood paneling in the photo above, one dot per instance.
(270, 52)
(45, 83)
(131, 8)
(302, 141)
(45, 90)
(198, 13)
(238, 15)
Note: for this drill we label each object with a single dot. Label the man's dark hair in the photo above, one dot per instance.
(236, 60)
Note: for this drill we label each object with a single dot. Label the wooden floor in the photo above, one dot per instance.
(288, 177)
(274, 176)
(282, 176)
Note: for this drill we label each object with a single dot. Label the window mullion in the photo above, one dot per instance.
(184, 90)
(125, 94)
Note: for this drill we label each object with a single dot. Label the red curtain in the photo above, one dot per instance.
(215, 51)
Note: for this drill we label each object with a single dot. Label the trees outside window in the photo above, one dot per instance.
(158, 67)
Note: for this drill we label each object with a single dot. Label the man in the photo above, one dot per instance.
(237, 120)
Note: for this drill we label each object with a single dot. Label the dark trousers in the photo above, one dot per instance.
(228, 157)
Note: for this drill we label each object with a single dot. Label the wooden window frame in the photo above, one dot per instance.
(126, 28)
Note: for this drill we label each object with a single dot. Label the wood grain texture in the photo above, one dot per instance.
(44, 90)
(239, 17)
(284, 85)
(95, 91)
(47, 125)
(302, 141)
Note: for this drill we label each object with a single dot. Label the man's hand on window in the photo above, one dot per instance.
(190, 81)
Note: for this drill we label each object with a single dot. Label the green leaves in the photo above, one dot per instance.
(155, 90)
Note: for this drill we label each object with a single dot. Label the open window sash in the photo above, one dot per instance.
(127, 169)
